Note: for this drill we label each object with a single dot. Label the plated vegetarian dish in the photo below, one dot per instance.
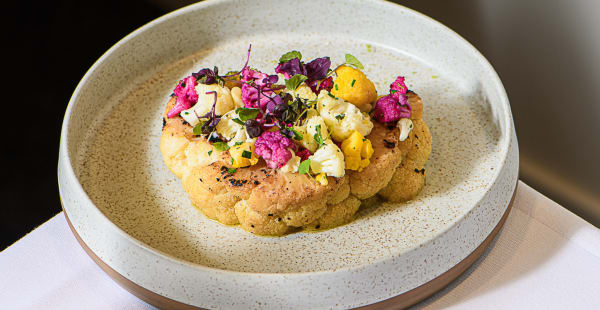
(298, 149)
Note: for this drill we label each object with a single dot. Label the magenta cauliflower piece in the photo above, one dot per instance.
(389, 109)
(398, 88)
(186, 96)
(274, 148)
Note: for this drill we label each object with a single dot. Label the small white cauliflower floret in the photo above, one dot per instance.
(190, 117)
(342, 117)
(227, 127)
(328, 159)
(309, 129)
(405, 125)
(205, 101)
(292, 164)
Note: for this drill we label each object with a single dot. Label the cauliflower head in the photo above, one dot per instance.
(328, 159)
(353, 86)
(342, 117)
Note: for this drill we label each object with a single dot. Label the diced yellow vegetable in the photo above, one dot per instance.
(357, 151)
(240, 154)
(322, 178)
(367, 149)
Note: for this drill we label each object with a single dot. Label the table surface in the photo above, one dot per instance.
(545, 257)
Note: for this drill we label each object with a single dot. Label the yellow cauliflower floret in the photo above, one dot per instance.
(328, 159)
(243, 155)
(342, 117)
(353, 86)
(357, 151)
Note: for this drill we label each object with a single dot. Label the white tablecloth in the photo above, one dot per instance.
(544, 258)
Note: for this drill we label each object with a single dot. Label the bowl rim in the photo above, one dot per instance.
(70, 174)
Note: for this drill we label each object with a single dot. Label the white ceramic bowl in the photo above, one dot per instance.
(133, 215)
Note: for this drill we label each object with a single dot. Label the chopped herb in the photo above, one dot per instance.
(297, 136)
(369, 47)
(231, 170)
(198, 129)
(221, 146)
(239, 121)
(209, 152)
(232, 160)
(336, 87)
(352, 84)
(434, 76)
(295, 81)
(340, 117)
(332, 96)
(238, 143)
(351, 60)
(186, 113)
(304, 167)
(247, 113)
(246, 154)
(318, 137)
(289, 56)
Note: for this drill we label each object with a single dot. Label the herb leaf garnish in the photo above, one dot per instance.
(247, 113)
(351, 60)
(289, 56)
(340, 117)
(221, 146)
(297, 136)
(199, 128)
(295, 81)
(304, 167)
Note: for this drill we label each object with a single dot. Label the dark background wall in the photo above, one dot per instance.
(51, 45)
(545, 51)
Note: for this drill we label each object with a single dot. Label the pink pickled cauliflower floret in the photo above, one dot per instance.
(186, 96)
(274, 148)
(398, 88)
(389, 109)
(250, 96)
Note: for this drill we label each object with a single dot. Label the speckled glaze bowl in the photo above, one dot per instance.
(133, 217)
